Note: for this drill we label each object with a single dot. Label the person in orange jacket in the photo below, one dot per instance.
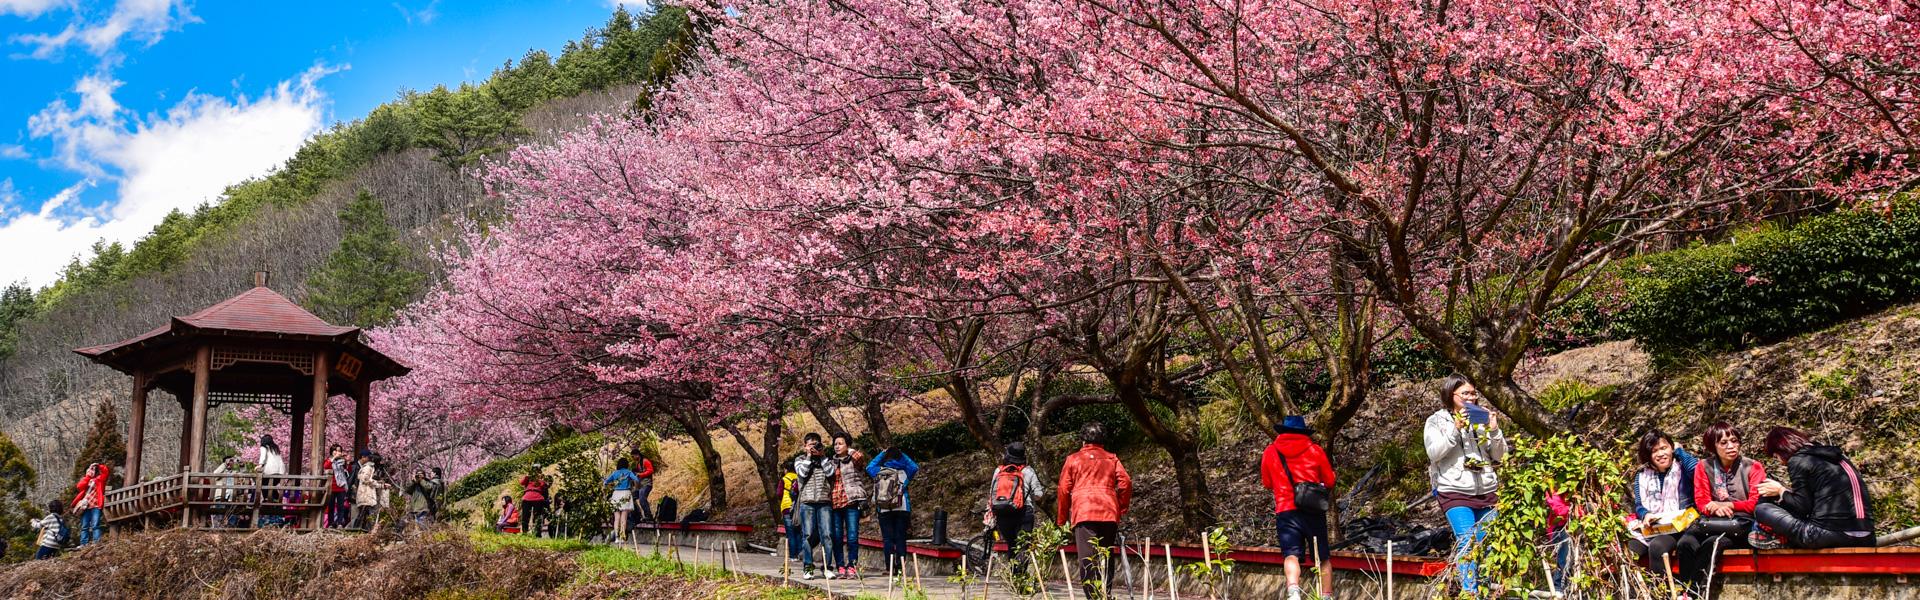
(1094, 493)
(1293, 458)
(92, 497)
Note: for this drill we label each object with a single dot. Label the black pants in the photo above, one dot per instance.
(1010, 524)
(1802, 533)
(1088, 538)
(893, 539)
(1683, 549)
(533, 515)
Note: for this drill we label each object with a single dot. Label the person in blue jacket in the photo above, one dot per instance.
(623, 481)
(1664, 485)
(892, 472)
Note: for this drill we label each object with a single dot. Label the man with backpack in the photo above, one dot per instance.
(54, 534)
(892, 473)
(1094, 493)
(1300, 475)
(1011, 494)
(816, 473)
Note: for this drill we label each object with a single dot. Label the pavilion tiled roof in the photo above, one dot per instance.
(258, 310)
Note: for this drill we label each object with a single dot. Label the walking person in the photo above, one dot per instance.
(1012, 493)
(849, 495)
(271, 462)
(53, 531)
(367, 494)
(1095, 492)
(892, 472)
(1662, 488)
(533, 501)
(339, 501)
(789, 492)
(92, 497)
(436, 492)
(1827, 505)
(1463, 443)
(623, 481)
(1301, 477)
(643, 488)
(815, 506)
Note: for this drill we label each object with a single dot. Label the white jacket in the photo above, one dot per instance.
(1447, 449)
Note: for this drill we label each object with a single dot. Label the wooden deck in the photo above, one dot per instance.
(220, 502)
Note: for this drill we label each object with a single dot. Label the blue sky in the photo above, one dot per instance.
(114, 113)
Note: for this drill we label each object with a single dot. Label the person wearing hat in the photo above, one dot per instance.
(1011, 494)
(1292, 463)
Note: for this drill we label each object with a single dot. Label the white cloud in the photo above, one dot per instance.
(160, 162)
(29, 8)
(143, 20)
(424, 16)
(12, 151)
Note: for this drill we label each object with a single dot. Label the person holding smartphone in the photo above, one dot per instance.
(1464, 442)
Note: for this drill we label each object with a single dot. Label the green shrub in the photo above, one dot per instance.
(1771, 283)
(1566, 394)
(505, 469)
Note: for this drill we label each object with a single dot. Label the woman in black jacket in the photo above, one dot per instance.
(1827, 505)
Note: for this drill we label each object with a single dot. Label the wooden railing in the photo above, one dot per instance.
(222, 501)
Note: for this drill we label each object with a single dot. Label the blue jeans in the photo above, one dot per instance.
(46, 552)
(89, 526)
(1468, 529)
(814, 524)
(795, 539)
(846, 538)
(893, 538)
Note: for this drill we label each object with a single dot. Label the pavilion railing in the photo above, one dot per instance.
(223, 501)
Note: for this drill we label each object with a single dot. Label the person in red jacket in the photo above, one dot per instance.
(1726, 489)
(642, 491)
(1094, 493)
(1293, 459)
(92, 497)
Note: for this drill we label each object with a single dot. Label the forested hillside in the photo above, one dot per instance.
(351, 227)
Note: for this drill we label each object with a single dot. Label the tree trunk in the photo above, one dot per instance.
(821, 410)
(709, 458)
(874, 410)
(766, 462)
(1196, 509)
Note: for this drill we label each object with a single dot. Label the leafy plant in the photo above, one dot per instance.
(1591, 482)
(1566, 394)
(1213, 570)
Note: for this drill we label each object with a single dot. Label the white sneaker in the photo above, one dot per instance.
(830, 573)
(1293, 592)
(808, 576)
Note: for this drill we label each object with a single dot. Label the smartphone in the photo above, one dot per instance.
(1477, 415)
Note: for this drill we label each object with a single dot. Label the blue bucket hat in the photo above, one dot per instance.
(1294, 424)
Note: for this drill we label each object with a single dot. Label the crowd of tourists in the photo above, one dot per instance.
(827, 489)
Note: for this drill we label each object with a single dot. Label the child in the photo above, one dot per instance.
(50, 527)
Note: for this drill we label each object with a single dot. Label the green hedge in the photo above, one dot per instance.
(503, 470)
(1770, 284)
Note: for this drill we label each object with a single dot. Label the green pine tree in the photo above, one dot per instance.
(104, 445)
(370, 276)
(16, 480)
(16, 306)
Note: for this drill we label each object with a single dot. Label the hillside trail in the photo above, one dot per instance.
(873, 586)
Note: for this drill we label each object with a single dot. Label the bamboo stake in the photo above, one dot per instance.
(1552, 588)
(964, 575)
(1390, 595)
(1065, 574)
(1146, 568)
(1173, 585)
(1040, 579)
(916, 575)
(786, 561)
(1673, 591)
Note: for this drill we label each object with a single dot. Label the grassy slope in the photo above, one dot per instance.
(1857, 384)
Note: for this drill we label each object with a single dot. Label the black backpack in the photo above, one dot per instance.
(62, 536)
(669, 511)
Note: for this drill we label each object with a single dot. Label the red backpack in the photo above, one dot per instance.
(1009, 488)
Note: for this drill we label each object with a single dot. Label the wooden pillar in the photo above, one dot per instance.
(186, 432)
(296, 445)
(360, 397)
(318, 453)
(197, 418)
(136, 430)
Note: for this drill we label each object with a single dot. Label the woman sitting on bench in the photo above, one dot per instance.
(1827, 505)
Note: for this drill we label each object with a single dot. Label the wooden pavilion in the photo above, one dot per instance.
(254, 348)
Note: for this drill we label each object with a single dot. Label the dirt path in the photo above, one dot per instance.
(874, 586)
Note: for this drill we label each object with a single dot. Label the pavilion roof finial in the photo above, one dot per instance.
(260, 278)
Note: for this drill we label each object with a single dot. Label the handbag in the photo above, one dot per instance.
(1723, 525)
(1306, 495)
